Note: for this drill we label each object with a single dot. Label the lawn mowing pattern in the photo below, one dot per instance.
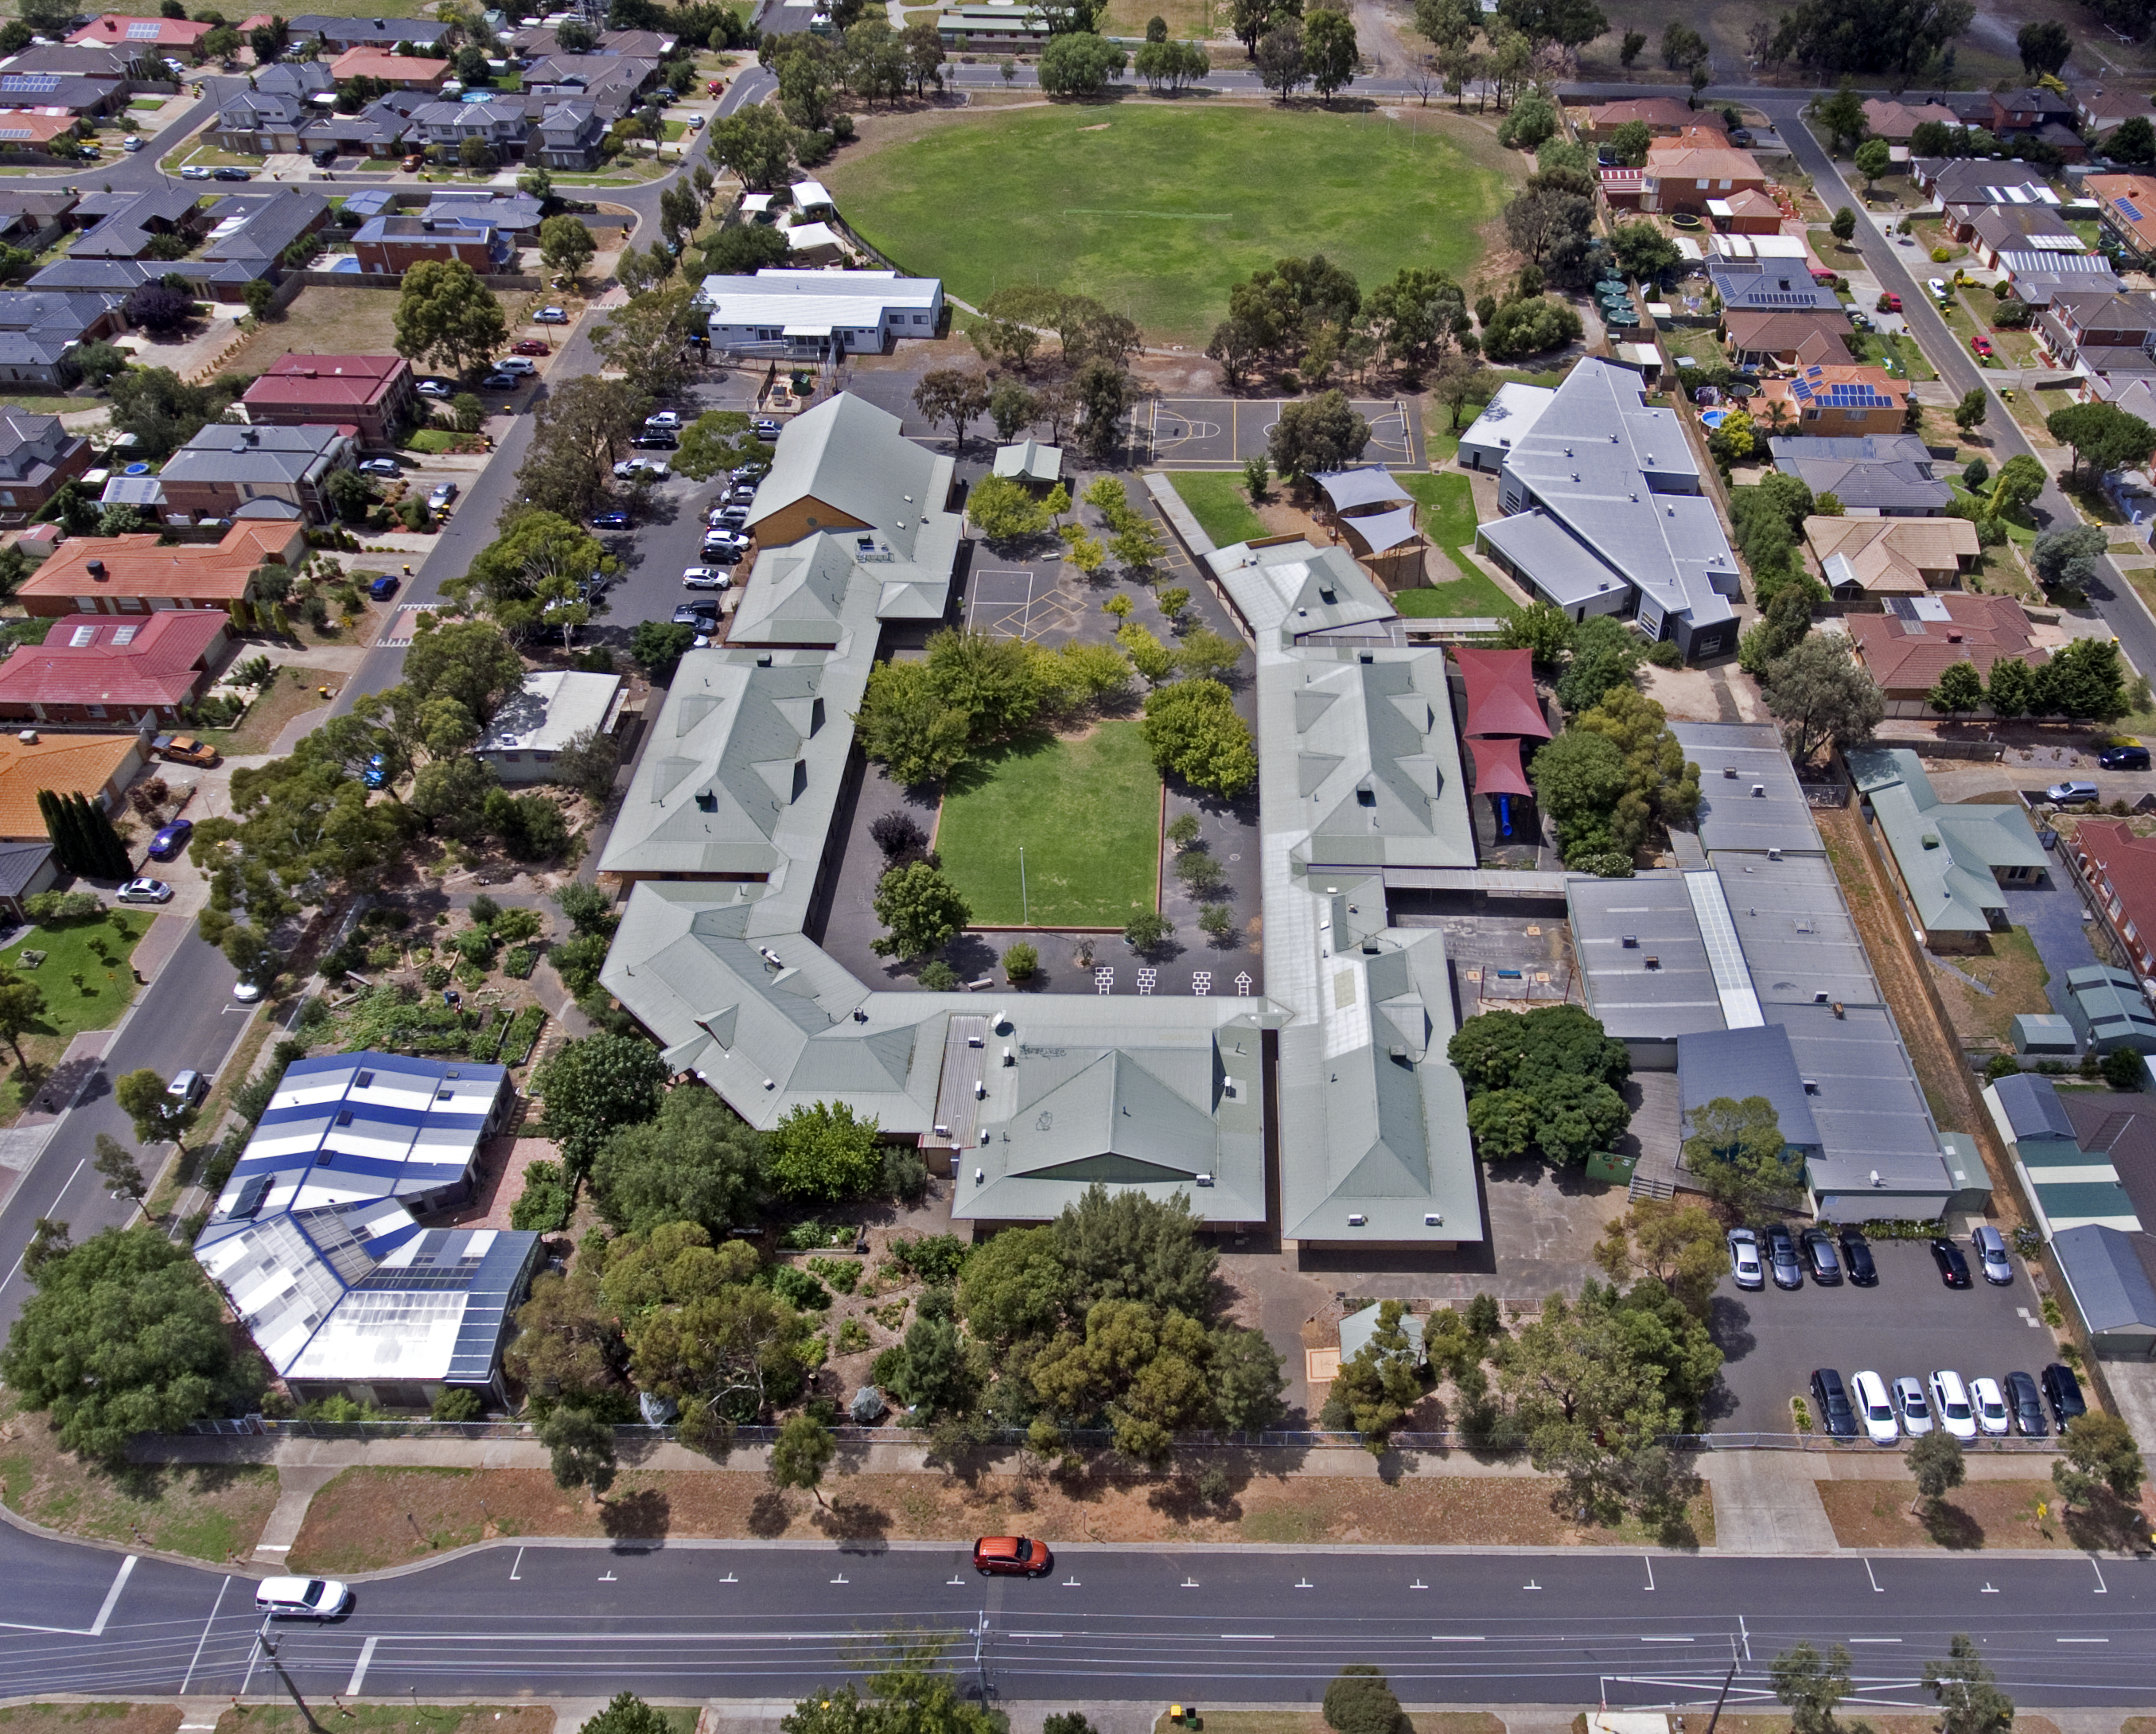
(1216, 500)
(1088, 812)
(1157, 210)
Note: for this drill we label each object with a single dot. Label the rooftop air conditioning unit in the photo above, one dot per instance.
(979, 1175)
(1435, 1219)
(1359, 1220)
(1630, 942)
(1811, 1086)
(974, 1040)
(1819, 999)
(1773, 855)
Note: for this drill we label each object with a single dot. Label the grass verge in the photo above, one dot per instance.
(1217, 501)
(399, 1718)
(1087, 812)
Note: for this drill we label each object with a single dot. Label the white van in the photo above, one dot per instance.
(302, 1597)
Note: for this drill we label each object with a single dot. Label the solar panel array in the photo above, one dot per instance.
(144, 32)
(29, 80)
(1843, 394)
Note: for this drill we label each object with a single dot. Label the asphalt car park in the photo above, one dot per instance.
(1909, 1322)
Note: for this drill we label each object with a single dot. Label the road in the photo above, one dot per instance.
(774, 1620)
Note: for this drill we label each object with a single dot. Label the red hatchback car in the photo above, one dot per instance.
(1982, 345)
(531, 345)
(1012, 1556)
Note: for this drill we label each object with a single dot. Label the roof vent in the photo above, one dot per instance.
(1009, 1059)
(1773, 855)
(764, 660)
(942, 1131)
(1730, 772)
(1654, 963)
(860, 1014)
(1203, 1180)
(1931, 839)
(1811, 1086)
(1819, 999)
(769, 1085)
(975, 1040)
(1877, 1180)
(771, 957)
(29, 737)
(97, 569)
(980, 1090)
(1397, 1053)
(979, 1175)
(1359, 1220)
(1434, 1219)
(1758, 791)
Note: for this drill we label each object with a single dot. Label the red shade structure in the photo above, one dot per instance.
(1501, 695)
(1498, 768)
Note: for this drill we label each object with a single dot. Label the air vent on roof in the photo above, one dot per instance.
(1730, 772)
(1630, 942)
(344, 1117)
(1203, 1180)
(1811, 1086)
(1433, 1219)
(1758, 791)
(1357, 1221)
(1819, 998)
(97, 569)
(1654, 963)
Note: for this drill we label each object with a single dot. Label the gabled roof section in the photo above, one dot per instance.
(850, 455)
(1376, 763)
(2032, 1107)
(1945, 852)
(1296, 591)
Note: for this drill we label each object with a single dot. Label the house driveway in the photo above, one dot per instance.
(2052, 914)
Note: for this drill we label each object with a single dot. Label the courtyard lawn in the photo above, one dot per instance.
(1217, 501)
(1470, 597)
(1447, 506)
(1087, 812)
(1158, 208)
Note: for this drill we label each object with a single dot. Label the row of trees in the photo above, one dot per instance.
(2084, 682)
(1311, 315)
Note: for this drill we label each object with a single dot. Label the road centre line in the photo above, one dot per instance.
(1669, 1640)
(1874, 1640)
(2080, 1641)
(1457, 1638)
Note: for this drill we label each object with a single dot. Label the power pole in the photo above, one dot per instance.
(270, 1648)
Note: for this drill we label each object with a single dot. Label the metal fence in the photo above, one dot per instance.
(258, 1426)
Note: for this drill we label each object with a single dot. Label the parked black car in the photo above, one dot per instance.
(2028, 1408)
(1820, 1258)
(1954, 1268)
(2063, 1391)
(2124, 758)
(1856, 1255)
(1782, 1257)
(1831, 1398)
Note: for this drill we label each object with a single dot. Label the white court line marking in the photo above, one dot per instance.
(204, 1638)
(359, 1668)
(112, 1596)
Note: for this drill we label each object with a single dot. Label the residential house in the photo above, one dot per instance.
(1664, 117)
(36, 456)
(338, 35)
(2037, 278)
(611, 83)
(1889, 475)
(812, 314)
(981, 28)
(534, 41)
(517, 214)
(133, 574)
(2094, 332)
(382, 129)
(1682, 175)
(257, 122)
(177, 37)
(1954, 862)
(2121, 869)
(1606, 513)
(1839, 402)
(2006, 113)
(161, 221)
(1762, 251)
(1914, 640)
(375, 393)
(99, 767)
(2100, 111)
(499, 123)
(32, 219)
(1806, 337)
(2019, 229)
(113, 279)
(92, 668)
(1870, 558)
(400, 72)
(2126, 212)
(24, 130)
(41, 332)
(249, 235)
(1770, 286)
(1747, 212)
(536, 726)
(2108, 1010)
(570, 135)
(1965, 185)
(1895, 121)
(111, 64)
(226, 465)
(62, 93)
(394, 244)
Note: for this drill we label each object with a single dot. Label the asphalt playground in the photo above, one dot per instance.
(1224, 433)
(1014, 601)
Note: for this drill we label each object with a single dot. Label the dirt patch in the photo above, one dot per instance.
(1979, 1514)
(91, 1719)
(366, 1519)
(406, 1719)
(204, 1510)
(2007, 964)
(502, 1162)
(293, 693)
(321, 321)
(1312, 1722)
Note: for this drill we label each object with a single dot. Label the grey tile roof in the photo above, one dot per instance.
(1889, 475)
(134, 220)
(369, 32)
(269, 224)
(1777, 287)
(1981, 180)
(263, 455)
(118, 277)
(2032, 1107)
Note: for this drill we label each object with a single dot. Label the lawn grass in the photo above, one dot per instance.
(322, 321)
(107, 988)
(1087, 813)
(398, 1717)
(1447, 516)
(1470, 597)
(1158, 208)
(41, 405)
(1217, 501)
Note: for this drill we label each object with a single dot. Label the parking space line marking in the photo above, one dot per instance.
(1461, 1638)
(1874, 1577)
(1651, 1570)
(197, 1660)
(2101, 1588)
(359, 1668)
(112, 1596)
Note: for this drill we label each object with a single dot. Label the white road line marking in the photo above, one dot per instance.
(1873, 1640)
(1874, 1577)
(1745, 1633)
(2101, 1588)
(2080, 1641)
(204, 1638)
(18, 1264)
(359, 1668)
(1651, 1570)
(1033, 1634)
(1457, 1638)
(515, 1567)
(1247, 1637)
(1068, 1582)
(112, 1596)
(1669, 1640)
(1190, 1584)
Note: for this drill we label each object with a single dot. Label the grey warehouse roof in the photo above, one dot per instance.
(1738, 1063)
(1798, 939)
(1618, 925)
(2108, 1270)
(1736, 759)
(2032, 1107)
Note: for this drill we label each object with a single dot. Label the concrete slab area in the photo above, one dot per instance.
(1765, 1503)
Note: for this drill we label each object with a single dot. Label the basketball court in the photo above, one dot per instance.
(1017, 602)
(1224, 433)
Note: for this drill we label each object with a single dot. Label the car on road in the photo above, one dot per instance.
(2070, 794)
(2027, 1403)
(231, 172)
(376, 774)
(1856, 1257)
(440, 389)
(301, 1597)
(1831, 1398)
(439, 498)
(1782, 1257)
(609, 520)
(531, 345)
(1820, 1259)
(187, 1088)
(1991, 1255)
(145, 891)
(1950, 1403)
(1874, 1408)
(1916, 1413)
(381, 466)
(1012, 1556)
(170, 840)
(2124, 758)
(194, 172)
(383, 588)
(1889, 302)
(246, 993)
(1744, 1267)
(1937, 286)
(667, 419)
(1954, 1268)
(1989, 1404)
(550, 315)
(706, 578)
(1981, 345)
(2062, 1391)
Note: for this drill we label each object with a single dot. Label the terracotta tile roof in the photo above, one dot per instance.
(1890, 555)
(2130, 200)
(1676, 159)
(113, 659)
(2127, 864)
(390, 69)
(1820, 381)
(135, 566)
(1654, 111)
(65, 764)
(307, 380)
(1909, 656)
(125, 31)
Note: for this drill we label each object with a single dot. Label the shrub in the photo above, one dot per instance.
(799, 1289)
(1940, 256)
(905, 1175)
(898, 834)
(844, 1275)
(938, 977)
(1020, 961)
(888, 1368)
(852, 1338)
(57, 909)
(544, 1205)
(937, 1259)
(456, 1404)
(1361, 1701)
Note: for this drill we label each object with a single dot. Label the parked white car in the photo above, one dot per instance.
(1916, 1413)
(1950, 1400)
(1989, 1402)
(1874, 1408)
